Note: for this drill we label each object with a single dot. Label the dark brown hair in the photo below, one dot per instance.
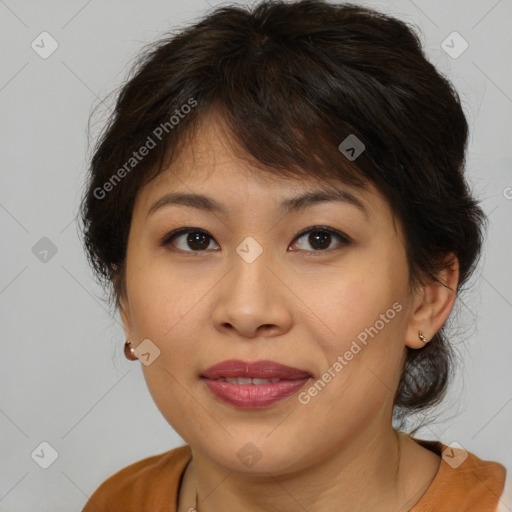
(291, 81)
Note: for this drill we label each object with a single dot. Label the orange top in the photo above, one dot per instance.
(462, 484)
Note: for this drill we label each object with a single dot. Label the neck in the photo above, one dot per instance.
(363, 475)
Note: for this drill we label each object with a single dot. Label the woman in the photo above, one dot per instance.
(279, 206)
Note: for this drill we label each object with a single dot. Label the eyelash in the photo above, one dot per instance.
(344, 239)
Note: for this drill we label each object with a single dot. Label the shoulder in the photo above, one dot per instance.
(464, 482)
(151, 483)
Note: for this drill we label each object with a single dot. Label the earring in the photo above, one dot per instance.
(422, 338)
(129, 352)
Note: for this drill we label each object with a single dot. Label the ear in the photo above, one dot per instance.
(124, 312)
(433, 302)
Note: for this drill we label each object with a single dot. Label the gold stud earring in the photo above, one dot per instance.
(129, 352)
(422, 338)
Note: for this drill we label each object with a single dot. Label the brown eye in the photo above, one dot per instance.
(189, 240)
(320, 239)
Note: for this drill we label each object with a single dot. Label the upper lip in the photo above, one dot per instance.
(258, 370)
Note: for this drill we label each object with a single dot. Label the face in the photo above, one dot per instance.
(319, 286)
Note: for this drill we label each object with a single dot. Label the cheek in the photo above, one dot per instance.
(365, 299)
(366, 314)
(171, 308)
(166, 310)
(163, 299)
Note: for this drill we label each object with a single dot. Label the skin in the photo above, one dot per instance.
(295, 304)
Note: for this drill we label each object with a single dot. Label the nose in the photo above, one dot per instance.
(252, 300)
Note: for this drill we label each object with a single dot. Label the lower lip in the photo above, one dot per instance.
(254, 396)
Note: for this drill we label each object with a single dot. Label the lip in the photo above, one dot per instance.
(257, 370)
(254, 396)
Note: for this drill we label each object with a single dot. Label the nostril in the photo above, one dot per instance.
(267, 327)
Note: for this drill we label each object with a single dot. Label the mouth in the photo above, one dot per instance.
(253, 385)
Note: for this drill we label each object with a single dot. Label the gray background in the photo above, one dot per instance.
(64, 379)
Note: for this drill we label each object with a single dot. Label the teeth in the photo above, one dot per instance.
(240, 380)
(245, 380)
(265, 381)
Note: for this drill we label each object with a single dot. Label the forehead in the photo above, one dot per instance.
(211, 160)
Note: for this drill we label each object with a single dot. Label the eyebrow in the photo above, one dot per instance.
(293, 204)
